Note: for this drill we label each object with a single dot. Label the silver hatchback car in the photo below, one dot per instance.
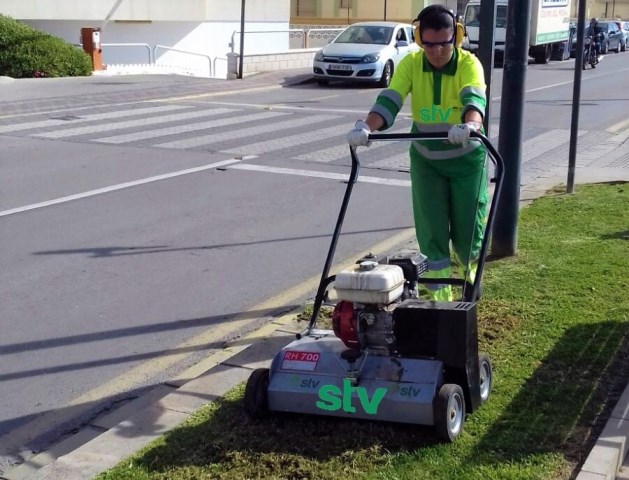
(366, 51)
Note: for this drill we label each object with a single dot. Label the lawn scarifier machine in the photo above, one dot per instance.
(390, 355)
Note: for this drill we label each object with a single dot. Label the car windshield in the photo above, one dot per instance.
(373, 34)
(472, 13)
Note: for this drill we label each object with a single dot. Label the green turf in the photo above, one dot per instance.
(553, 319)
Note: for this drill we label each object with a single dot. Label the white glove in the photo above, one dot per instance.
(359, 136)
(460, 134)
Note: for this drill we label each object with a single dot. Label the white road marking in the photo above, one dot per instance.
(315, 174)
(189, 127)
(267, 146)
(337, 152)
(245, 132)
(617, 127)
(54, 122)
(120, 186)
(536, 146)
(568, 82)
(71, 132)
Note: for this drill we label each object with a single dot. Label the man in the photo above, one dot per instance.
(449, 178)
(593, 31)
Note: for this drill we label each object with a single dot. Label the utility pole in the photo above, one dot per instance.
(242, 39)
(486, 28)
(576, 97)
(385, 10)
(504, 239)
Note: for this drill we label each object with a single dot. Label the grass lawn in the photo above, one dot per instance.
(554, 320)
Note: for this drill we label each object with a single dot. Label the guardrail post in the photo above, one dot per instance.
(232, 65)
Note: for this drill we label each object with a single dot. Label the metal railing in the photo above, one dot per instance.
(214, 62)
(306, 34)
(209, 59)
(232, 43)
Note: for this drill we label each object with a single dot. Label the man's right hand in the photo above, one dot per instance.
(359, 136)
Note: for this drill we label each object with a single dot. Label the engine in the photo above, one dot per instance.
(368, 292)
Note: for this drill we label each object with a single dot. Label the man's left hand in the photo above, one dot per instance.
(460, 134)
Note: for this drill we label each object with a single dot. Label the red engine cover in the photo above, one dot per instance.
(344, 324)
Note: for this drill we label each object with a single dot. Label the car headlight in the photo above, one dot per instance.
(371, 58)
(319, 56)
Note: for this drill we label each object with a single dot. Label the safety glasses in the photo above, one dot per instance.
(426, 44)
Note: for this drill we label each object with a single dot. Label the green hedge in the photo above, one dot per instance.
(26, 52)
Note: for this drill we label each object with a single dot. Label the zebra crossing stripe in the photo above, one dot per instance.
(267, 146)
(189, 127)
(536, 146)
(246, 132)
(54, 122)
(315, 174)
(336, 152)
(72, 132)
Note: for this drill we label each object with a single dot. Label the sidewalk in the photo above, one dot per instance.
(107, 440)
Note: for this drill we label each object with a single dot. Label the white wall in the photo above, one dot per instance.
(211, 39)
(154, 10)
(146, 10)
(203, 27)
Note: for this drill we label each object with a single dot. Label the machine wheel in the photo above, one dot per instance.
(449, 412)
(255, 400)
(486, 377)
(387, 73)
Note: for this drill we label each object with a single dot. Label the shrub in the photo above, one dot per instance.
(26, 52)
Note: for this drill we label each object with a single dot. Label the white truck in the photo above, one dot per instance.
(550, 29)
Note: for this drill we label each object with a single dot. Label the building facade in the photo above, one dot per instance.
(182, 36)
(345, 12)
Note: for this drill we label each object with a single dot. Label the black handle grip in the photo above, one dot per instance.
(493, 153)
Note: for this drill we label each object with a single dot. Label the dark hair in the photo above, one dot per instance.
(436, 17)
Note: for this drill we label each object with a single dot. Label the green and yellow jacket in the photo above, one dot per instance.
(439, 99)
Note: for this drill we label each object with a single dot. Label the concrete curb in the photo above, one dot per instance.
(110, 439)
(605, 458)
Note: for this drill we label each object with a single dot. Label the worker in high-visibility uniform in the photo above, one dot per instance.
(449, 178)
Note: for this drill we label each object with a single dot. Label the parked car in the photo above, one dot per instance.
(366, 52)
(612, 36)
(624, 29)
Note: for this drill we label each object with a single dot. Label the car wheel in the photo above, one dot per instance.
(605, 48)
(387, 73)
(623, 47)
(617, 48)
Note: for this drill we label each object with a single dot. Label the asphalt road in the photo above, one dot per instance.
(145, 222)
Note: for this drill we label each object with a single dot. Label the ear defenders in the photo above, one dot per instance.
(459, 28)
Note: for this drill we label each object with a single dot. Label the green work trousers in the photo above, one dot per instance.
(449, 205)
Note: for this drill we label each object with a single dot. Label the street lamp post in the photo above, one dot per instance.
(242, 39)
